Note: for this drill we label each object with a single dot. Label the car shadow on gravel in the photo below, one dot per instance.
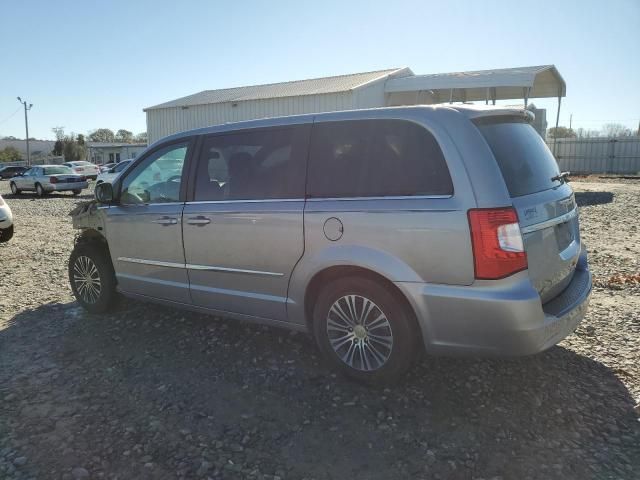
(151, 392)
(584, 199)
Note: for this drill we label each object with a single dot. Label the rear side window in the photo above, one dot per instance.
(526, 163)
(253, 165)
(58, 170)
(375, 158)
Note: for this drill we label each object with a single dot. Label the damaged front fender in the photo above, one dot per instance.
(86, 215)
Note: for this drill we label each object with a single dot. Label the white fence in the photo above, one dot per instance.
(619, 155)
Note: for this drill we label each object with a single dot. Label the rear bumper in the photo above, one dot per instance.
(504, 317)
(59, 187)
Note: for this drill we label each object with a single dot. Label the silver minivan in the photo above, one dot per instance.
(384, 233)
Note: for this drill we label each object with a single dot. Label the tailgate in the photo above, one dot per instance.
(551, 235)
(546, 206)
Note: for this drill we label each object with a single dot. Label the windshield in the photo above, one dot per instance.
(61, 170)
(526, 163)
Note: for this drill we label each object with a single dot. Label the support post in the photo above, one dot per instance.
(555, 137)
(451, 95)
(526, 91)
(486, 96)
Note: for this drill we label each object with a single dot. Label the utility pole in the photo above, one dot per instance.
(570, 120)
(26, 126)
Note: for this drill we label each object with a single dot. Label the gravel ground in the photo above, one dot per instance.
(149, 392)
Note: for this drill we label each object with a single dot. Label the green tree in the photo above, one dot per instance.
(561, 132)
(80, 139)
(58, 148)
(10, 154)
(102, 135)
(124, 136)
(73, 150)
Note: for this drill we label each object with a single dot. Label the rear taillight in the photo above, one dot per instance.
(498, 250)
(53, 180)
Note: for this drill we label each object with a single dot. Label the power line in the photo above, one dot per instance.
(9, 117)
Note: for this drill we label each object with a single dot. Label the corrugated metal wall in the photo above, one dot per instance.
(598, 155)
(166, 121)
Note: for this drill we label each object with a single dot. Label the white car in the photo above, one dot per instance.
(6, 221)
(88, 169)
(112, 173)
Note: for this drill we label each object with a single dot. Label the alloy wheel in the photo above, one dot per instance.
(359, 333)
(86, 279)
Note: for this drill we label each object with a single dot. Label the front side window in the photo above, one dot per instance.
(375, 158)
(157, 179)
(258, 164)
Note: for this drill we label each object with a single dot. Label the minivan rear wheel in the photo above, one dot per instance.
(364, 330)
(92, 277)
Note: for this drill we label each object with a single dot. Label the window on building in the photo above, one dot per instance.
(371, 158)
(257, 164)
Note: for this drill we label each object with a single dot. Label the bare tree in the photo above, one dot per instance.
(59, 132)
(616, 130)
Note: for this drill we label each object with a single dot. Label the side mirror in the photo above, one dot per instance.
(104, 193)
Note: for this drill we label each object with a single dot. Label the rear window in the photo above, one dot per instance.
(61, 170)
(526, 163)
(371, 158)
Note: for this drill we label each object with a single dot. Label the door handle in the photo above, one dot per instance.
(199, 221)
(164, 221)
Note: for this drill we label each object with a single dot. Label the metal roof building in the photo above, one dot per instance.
(393, 86)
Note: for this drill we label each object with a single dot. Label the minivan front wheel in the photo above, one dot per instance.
(92, 277)
(364, 330)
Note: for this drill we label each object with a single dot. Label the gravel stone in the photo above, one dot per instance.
(152, 392)
(80, 473)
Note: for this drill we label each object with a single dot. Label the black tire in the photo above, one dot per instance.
(6, 234)
(76, 192)
(83, 258)
(14, 189)
(399, 322)
(39, 190)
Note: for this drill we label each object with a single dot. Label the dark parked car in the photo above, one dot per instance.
(11, 171)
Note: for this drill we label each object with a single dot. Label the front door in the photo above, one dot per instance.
(28, 179)
(243, 231)
(144, 229)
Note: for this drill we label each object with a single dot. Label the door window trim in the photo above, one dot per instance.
(190, 142)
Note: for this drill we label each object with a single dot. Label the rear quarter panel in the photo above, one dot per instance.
(406, 239)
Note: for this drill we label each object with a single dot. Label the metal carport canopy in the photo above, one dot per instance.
(541, 81)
